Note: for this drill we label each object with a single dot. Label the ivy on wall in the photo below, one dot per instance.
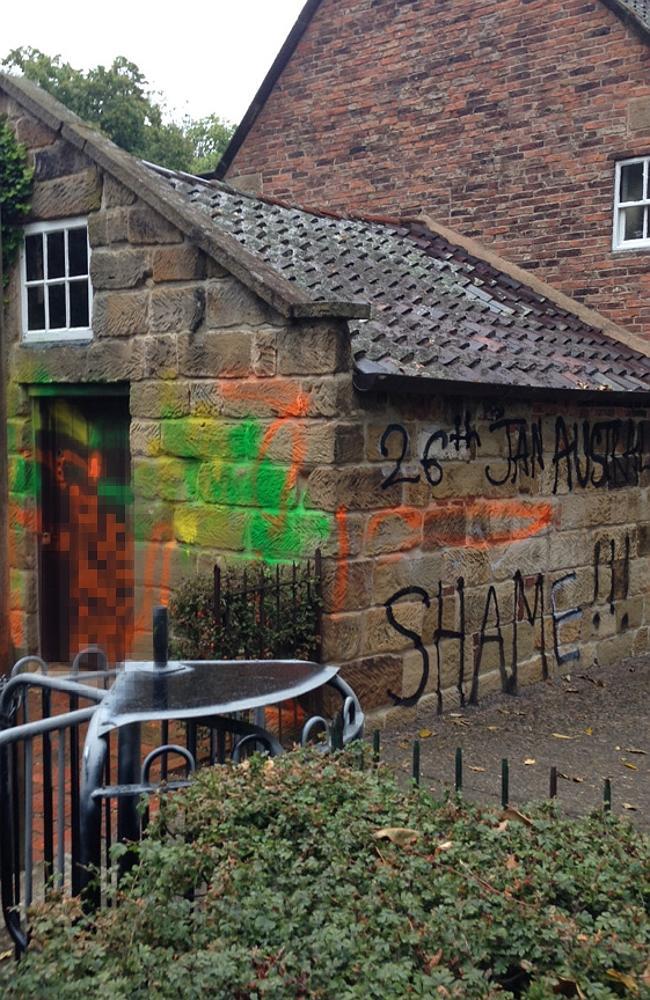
(15, 191)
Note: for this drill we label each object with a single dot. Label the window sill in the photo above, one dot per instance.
(637, 248)
(49, 339)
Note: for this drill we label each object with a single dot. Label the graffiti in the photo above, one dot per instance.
(619, 570)
(525, 449)
(244, 476)
(563, 617)
(585, 453)
(528, 609)
(235, 482)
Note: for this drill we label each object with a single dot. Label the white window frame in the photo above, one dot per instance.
(60, 334)
(618, 243)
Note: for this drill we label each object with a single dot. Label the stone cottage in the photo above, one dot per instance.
(200, 375)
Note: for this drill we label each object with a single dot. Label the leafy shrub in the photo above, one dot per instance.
(268, 880)
(15, 192)
(263, 614)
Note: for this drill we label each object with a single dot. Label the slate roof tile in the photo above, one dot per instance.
(438, 311)
(640, 7)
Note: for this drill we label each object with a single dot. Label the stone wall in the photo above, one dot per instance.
(500, 119)
(231, 407)
(487, 546)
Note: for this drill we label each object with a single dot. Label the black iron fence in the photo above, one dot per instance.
(504, 775)
(271, 612)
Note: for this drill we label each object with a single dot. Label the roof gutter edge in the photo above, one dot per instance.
(370, 377)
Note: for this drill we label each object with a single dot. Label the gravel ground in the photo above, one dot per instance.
(591, 725)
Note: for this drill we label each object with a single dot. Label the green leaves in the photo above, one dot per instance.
(15, 192)
(295, 896)
(259, 618)
(119, 100)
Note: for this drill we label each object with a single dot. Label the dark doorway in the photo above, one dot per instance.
(86, 550)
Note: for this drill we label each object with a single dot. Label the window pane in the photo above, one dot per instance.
(34, 257)
(36, 308)
(55, 255)
(632, 182)
(57, 306)
(78, 251)
(79, 303)
(633, 223)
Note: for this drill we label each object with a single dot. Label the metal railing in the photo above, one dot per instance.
(63, 806)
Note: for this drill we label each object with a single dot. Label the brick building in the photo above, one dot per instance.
(198, 375)
(512, 121)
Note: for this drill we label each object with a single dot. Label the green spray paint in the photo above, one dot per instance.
(240, 498)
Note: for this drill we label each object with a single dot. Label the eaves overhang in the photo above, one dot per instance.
(369, 377)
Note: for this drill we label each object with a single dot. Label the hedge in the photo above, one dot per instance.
(308, 877)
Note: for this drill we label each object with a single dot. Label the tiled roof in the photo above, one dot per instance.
(639, 7)
(438, 312)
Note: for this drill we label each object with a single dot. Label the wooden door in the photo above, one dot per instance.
(86, 551)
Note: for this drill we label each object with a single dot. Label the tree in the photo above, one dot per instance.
(119, 100)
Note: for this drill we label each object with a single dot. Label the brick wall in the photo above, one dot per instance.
(502, 119)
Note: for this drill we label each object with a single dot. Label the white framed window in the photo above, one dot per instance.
(632, 204)
(55, 282)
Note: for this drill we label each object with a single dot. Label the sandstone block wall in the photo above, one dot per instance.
(231, 408)
(486, 546)
(502, 119)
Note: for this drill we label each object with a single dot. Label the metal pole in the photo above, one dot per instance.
(5, 637)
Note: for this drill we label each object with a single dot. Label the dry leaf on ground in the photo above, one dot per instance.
(472, 768)
(424, 734)
(630, 807)
(399, 835)
(628, 982)
(514, 814)
(561, 736)
(632, 767)
(636, 750)
(530, 761)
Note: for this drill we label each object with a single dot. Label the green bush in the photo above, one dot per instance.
(268, 880)
(262, 622)
(15, 193)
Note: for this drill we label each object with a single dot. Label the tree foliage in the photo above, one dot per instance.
(15, 191)
(119, 100)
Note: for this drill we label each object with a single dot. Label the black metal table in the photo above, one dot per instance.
(212, 694)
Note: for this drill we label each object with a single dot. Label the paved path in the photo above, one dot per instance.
(605, 712)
